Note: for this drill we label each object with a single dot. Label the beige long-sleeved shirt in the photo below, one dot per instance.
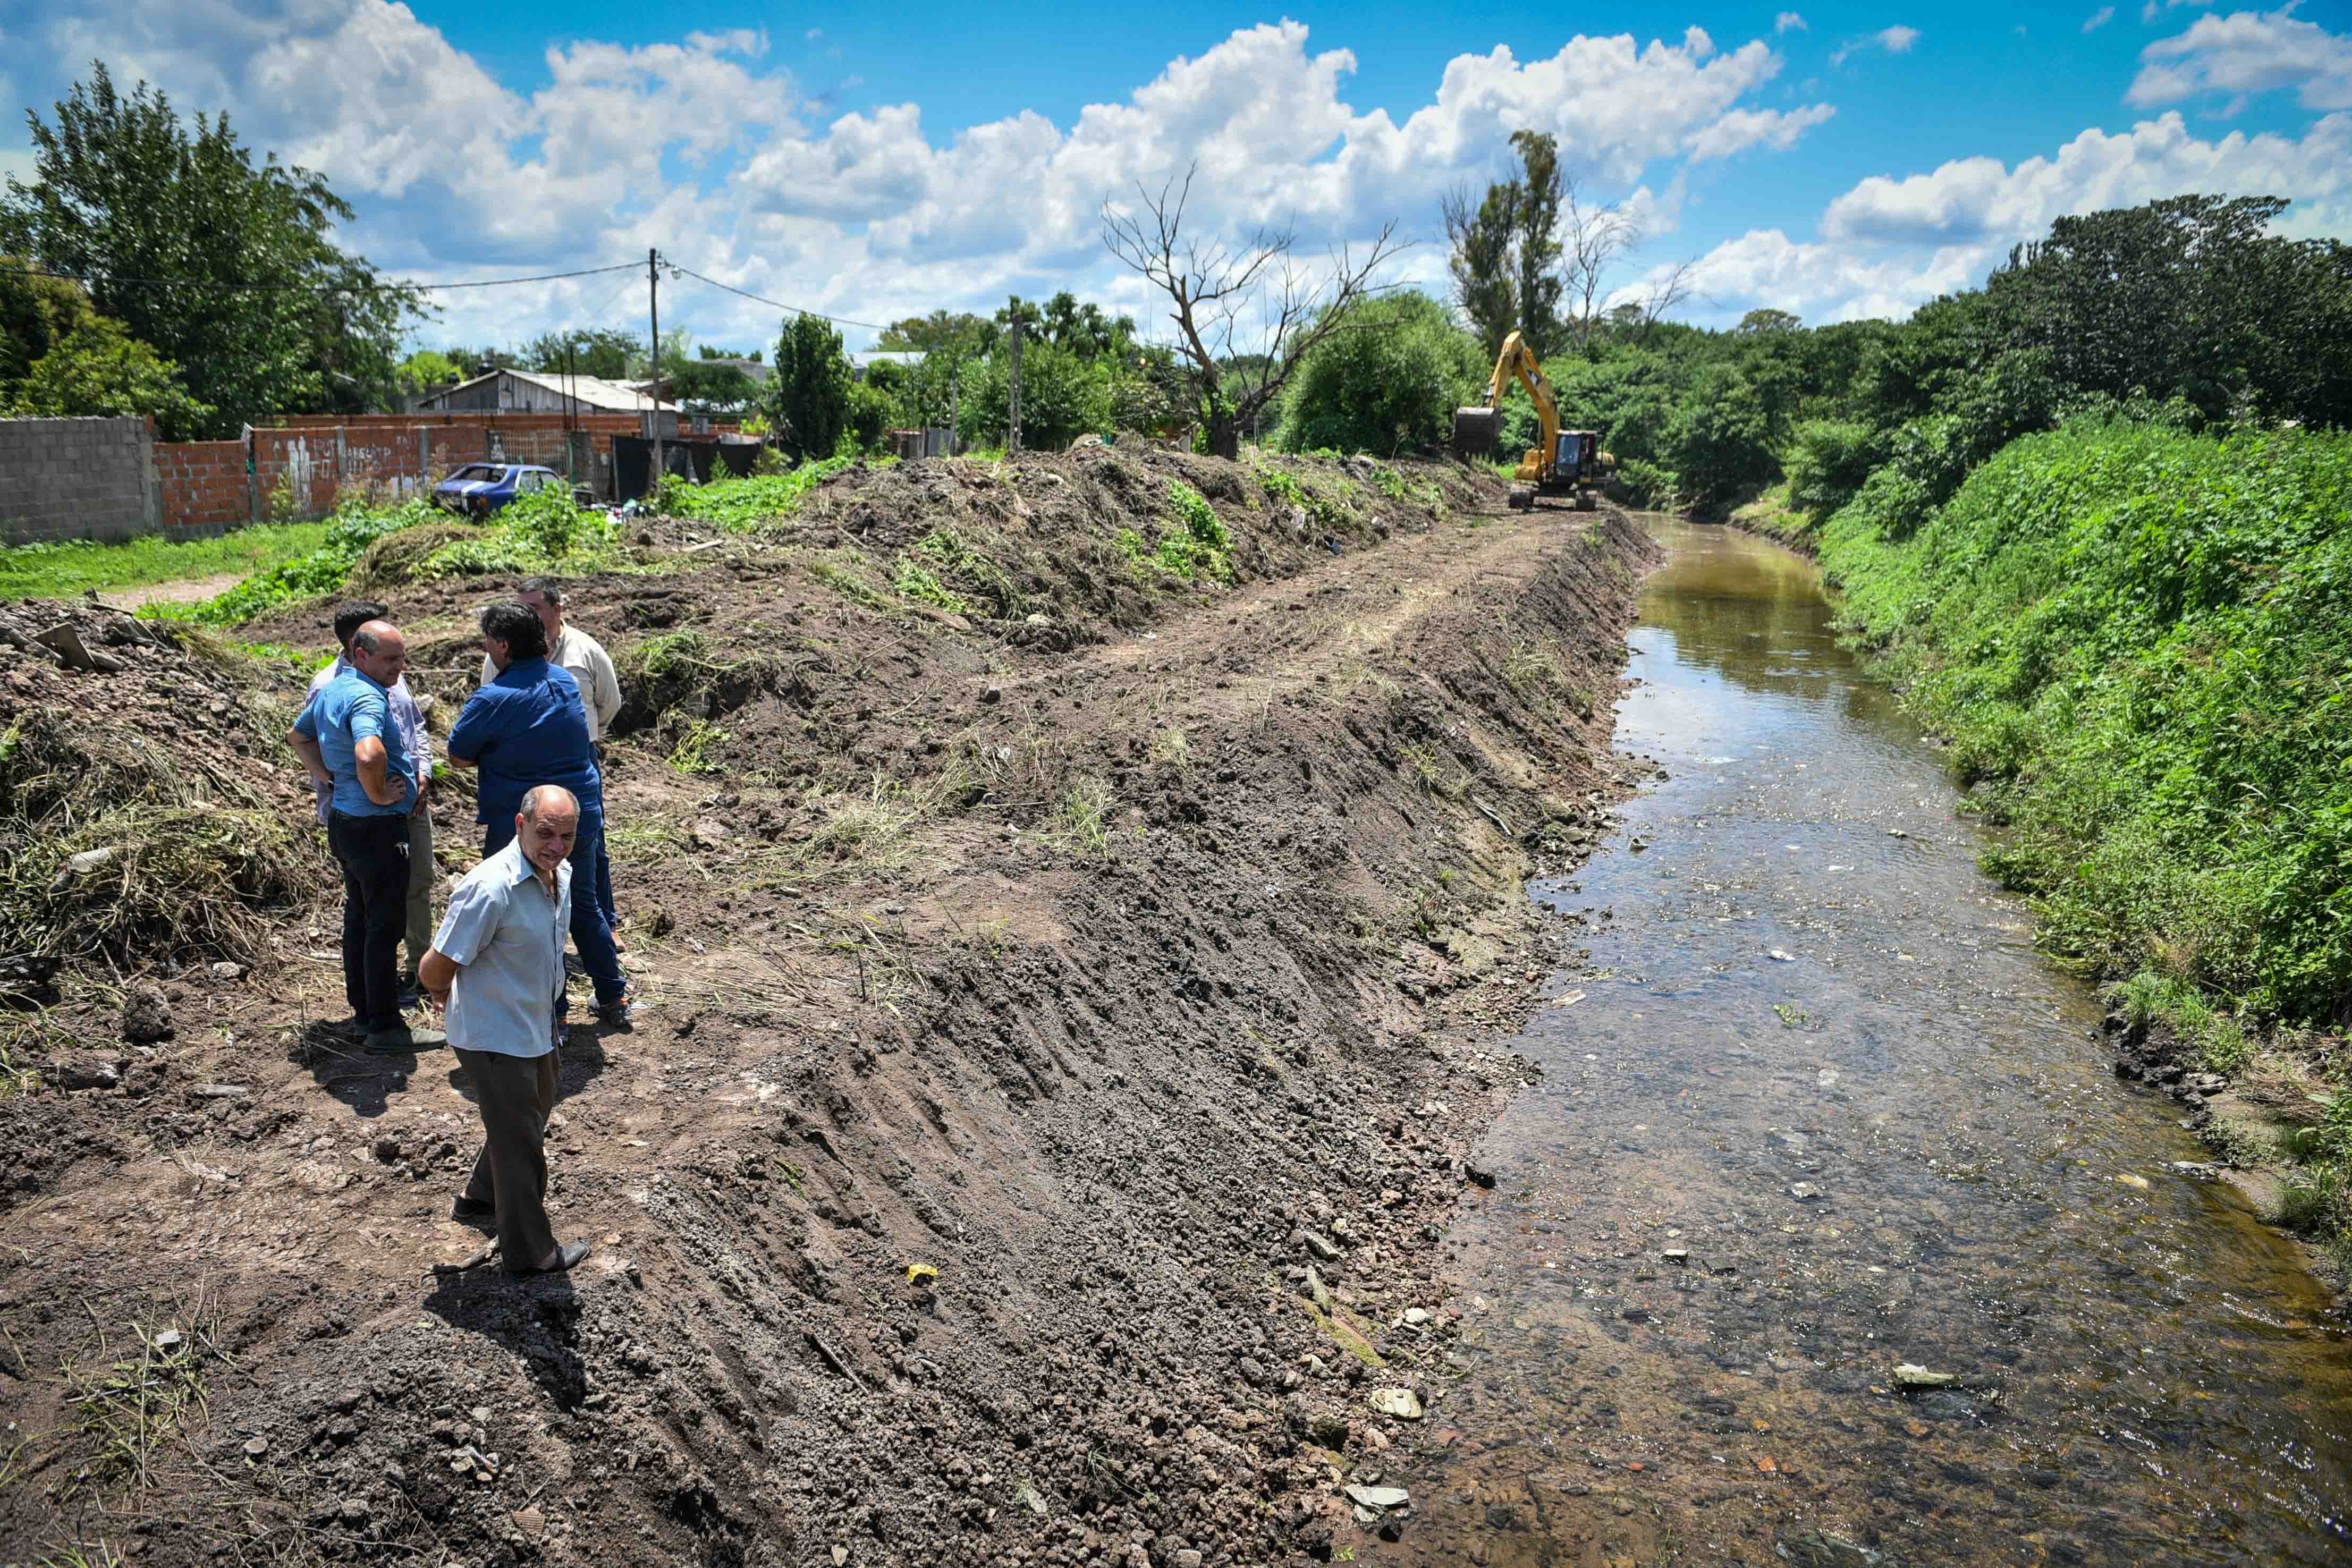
(591, 668)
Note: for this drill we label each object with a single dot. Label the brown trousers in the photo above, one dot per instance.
(515, 1095)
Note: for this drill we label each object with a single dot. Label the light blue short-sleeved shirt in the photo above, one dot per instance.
(347, 710)
(406, 717)
(506, 937)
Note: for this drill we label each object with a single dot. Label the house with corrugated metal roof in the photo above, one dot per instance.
(509, 390)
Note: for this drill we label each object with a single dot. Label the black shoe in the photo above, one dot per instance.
(473, 1211)
(614, 1015)
(569, 1255)
(412, 995)
(402, 1041)
(573, 968)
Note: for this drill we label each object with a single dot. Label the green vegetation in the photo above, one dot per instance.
(1390, 384)
(119, 184)
(354, 526)
(63, 571)
(761, 500)
(2143, 639)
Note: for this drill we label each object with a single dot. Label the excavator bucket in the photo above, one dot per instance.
(1477, 432)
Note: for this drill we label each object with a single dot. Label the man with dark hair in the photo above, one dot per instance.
(408, 718)
(348, 740)
(583, 658)
(496, 964)
(528, 728)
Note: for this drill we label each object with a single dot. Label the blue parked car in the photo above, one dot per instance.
(480, 488)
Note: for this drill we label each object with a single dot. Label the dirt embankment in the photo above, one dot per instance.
(1070, 1000)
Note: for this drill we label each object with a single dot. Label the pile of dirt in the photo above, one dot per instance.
(1066, 1014)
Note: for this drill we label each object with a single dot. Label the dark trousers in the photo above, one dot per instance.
(604, 882)
(515, 1095)
(589, 932)
(373, 854)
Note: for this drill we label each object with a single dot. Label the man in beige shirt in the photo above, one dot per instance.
(572, 650)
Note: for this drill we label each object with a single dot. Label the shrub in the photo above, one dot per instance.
(1829, 460)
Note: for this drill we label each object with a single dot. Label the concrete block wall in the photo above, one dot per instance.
(77, 479)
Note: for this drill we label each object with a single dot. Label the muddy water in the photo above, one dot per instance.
(1815, 1055)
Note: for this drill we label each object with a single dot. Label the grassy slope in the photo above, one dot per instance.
(2144, 640)
(63, 571)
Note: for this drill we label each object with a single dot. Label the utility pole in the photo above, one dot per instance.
(653, 305)
(1013, 394)
(955, 404)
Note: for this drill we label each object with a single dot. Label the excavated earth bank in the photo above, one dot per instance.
(1038, 989)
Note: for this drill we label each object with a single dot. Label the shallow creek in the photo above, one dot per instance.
(1811, 1109)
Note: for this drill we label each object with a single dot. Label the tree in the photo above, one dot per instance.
(939, 330)
(425, 371)
(98, 369)
(1217, 291)
(1388, 385)
(1759, 322)
(223, 266)
(2190, 296)
(1542, 190)
(1479, 237)
(1063, 395)
(700, 386)
(1598, 238)
(34, 312)
(607, 354)
(809, 397)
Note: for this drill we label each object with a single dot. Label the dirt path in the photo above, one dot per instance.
(186, 591)
(1116, 986)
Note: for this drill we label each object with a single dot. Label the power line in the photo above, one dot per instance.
(778, 304)
(315, 288)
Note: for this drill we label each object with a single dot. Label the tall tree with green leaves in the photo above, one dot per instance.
(1505, 250)
(100, 371)
(1481, 231)
(1538, 257)
(225, 265)
(809, 397)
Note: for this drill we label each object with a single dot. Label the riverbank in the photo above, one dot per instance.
(1068, 1017)
(1827, 1229)
(2134, 640)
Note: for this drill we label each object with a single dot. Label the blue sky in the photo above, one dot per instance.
(1834, 161)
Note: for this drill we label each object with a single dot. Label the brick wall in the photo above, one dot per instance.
(203, 485)
(77, 479)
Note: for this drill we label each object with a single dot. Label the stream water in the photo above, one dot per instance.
(1813, 1109)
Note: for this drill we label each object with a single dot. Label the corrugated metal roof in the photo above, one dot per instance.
(589, 392)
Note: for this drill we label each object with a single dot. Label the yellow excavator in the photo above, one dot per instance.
(1569, 463)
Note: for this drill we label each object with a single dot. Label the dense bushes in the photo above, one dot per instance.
(1388, 384)
(2143, 638)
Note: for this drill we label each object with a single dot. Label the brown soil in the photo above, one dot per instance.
(1034, 991)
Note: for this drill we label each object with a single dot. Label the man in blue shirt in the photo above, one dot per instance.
(496, 964)
(526, 727)
(347, 739)
(408, 718)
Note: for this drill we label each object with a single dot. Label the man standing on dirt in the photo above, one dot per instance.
(528, 726)
(496, 964)
(409, 719)
(583, 658)
(348, 740)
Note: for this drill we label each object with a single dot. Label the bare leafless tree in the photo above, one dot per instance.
(1664, 291)
(1594, 240)
(1254, 302)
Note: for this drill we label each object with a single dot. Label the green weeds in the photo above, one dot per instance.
(760, 501)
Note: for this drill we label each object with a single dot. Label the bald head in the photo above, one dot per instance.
(550, 799)
(380, 651)
(546, 826)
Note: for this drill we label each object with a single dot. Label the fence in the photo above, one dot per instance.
(110, 479)
(77, 478)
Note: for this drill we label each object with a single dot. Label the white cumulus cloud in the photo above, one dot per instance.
(2099, 18)
(1788, 22)
(2244, 53)
(1887, 245)
(1894, 40)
